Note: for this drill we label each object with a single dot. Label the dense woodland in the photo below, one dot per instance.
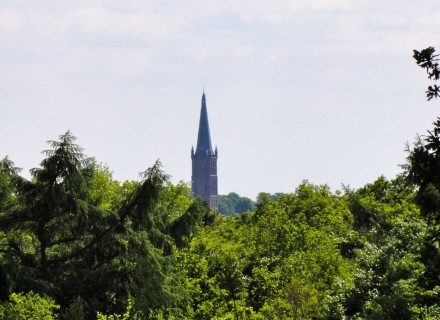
(77, 244)
(232, 203)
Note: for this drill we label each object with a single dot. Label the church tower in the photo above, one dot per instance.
(204, 163)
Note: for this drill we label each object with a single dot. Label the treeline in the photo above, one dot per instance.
(232, 203)
(86, 243)
(77, 244)
(315, 255)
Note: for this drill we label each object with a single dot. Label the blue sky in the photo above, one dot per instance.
(320, 90)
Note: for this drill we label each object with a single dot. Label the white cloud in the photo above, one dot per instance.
(101, 22)
(9, 20)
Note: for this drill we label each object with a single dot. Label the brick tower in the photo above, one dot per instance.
(204, 163)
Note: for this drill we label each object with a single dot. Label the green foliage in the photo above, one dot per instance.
(106, 192)
(75, 311)
(129, 314)
(428, 60)
(299, 236)
(423, 171)
(266, 197)
(297, 300)
(429, 313)
(385, 284)
(71, 246)
(278, 263)
(185, 226)
(213, 266)
(379, 204)
(313, 254)
(73, 232)
(90, 246)
(385, 246)
(28, 307)
(174, 200)
(233, 203)
(7, 183)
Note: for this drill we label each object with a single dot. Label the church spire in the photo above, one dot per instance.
(204, 163)
(204, 146)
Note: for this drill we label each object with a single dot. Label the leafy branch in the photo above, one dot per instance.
(428, 60)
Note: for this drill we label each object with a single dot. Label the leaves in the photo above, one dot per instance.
(73, 232)
(28, 306)
(232, 203)
(428, 60)
(146, 249)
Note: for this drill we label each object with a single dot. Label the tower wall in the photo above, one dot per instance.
(204, 179)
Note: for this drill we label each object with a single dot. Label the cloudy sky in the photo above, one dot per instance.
(321, 90)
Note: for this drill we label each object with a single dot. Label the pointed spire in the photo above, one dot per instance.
(204, 138)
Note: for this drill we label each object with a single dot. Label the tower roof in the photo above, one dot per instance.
(204, 138)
